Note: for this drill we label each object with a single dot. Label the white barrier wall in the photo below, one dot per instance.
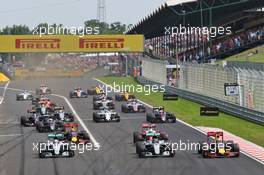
(154, 70)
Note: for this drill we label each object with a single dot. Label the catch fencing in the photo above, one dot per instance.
(209, 80)
(154, 70)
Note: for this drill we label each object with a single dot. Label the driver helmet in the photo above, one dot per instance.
(73, 129)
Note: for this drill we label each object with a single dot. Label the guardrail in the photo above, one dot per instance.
(226, 107)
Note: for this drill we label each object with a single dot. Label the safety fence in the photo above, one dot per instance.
(209, 80)
(154, 70)
(227, 107)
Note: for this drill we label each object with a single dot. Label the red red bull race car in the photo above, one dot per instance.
(216, 146)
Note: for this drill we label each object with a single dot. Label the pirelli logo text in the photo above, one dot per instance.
(38, 44)
(101, 43)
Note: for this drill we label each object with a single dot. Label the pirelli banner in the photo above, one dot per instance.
(71, 43)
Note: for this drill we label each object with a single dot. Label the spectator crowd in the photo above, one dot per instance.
(194, 48)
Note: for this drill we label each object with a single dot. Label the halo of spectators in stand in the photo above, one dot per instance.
(195, 48)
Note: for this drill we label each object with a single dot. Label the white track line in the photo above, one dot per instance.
(96, 144)
(3, 96)
(187, 124)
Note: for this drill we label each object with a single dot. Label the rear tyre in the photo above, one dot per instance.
(136, 137)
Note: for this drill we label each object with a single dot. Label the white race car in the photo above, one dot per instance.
(42, 90)
(24, 96)
(106, 115)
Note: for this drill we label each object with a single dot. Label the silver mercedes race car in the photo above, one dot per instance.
(133, 106)
(106, 115)
(56, 148)
(154, 147)
(24, 96)
(49, 124)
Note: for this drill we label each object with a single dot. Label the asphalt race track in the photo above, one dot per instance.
(117, 155)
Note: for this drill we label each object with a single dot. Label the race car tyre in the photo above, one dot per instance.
(118, 119)
(164, 137)
(141, 151)
(71, 153)
(22, 120)
(172, 153)
(124, 108)
(95, 118)
(71, 95)
(235, 148)
(205, 153)
(136, 137)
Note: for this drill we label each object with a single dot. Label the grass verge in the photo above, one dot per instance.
(248, 55)
(190, 112)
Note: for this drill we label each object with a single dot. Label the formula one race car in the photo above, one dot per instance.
(133, 106)
(103, 104)
(95, 91)
(78, 93)
(24, 96)
(55, 149)
(106, 115)
(42, 109)
(101, 96)
(43, 89)
(49, 124)
(72, 134)
(154, 147)
(145, 129)
(158, 115)
(43, 101)
(124, 96)
(30, 119)
(61, 115)
(216, 147)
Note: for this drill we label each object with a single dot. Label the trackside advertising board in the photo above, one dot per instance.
(71, 43)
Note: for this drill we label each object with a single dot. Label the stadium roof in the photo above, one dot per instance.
(176, 12)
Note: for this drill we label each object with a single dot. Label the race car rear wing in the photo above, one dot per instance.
(148, 125)
(158, 108)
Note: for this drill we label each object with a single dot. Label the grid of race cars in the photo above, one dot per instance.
(48, 117)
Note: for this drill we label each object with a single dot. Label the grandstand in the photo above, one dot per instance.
(243, 17)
